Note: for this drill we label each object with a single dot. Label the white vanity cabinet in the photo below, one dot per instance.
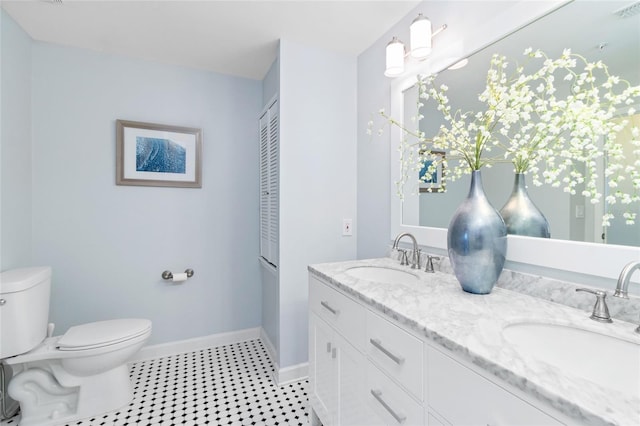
(366, 370)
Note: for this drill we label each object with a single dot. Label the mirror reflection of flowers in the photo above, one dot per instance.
(556, 120)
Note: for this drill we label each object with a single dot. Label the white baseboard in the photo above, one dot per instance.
(196, 344)
(271, 348)
(290, 374)
(281, 376)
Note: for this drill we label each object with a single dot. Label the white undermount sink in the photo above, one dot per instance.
(609, 361)
(382, 274)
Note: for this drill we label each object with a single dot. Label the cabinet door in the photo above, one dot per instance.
(350, 372)
(322, 383)
(463, 397)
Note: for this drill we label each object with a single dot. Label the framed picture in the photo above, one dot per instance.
(432, 182)
(150, 154)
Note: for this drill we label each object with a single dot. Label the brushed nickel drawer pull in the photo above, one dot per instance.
(329, 308)
(377, 394)
(395, 358)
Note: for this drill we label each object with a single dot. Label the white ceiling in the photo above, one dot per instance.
(230, 37)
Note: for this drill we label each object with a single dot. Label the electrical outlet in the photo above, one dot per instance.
(347, 227)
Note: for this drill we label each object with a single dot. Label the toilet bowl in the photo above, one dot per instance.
(79, 374)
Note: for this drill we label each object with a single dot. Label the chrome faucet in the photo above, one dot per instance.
(623, 282)
(415, 262)
(624, 278)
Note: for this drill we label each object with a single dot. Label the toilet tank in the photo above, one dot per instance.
(24, 309)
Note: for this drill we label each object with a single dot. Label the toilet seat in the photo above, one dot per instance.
(91, 339)
(102, 333)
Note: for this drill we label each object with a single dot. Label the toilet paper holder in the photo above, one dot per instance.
(168, 275)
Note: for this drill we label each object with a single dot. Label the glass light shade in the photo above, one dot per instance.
(460, 64)
(395, 58)
(420, 31)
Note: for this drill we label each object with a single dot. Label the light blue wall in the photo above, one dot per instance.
(108, 244)
(271, 82)
(317, 178)
(15, 145)
(317, 94)
(374, 186)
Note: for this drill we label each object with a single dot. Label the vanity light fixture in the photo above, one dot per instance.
(420, 37)
(395, 58)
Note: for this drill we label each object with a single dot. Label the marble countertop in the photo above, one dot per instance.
(471, 326)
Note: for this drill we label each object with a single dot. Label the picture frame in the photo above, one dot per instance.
(149, 154)
(435, 184)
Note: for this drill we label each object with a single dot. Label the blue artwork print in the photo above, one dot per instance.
(160, 155)
(424, 176)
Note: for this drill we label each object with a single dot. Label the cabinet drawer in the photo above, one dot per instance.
(464, 397)
(390, 404)
(342, 313)
(396, 352)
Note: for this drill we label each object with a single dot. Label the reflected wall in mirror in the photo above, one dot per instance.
(591, 29)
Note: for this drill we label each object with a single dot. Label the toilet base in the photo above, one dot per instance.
(50, 396)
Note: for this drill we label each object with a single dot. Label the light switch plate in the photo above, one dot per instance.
(347, 227)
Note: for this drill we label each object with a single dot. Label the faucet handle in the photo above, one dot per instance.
(429, 266)
(600, 310)
(404, 260)
(416, 259)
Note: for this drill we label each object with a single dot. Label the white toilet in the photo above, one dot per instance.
(59, 379)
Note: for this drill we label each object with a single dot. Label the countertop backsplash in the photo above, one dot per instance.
(557, 291)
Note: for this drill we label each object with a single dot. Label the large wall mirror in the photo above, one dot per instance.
(589, 28)
(597, 34)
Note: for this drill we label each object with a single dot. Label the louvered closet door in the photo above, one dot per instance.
(269, 164)
(264, 186)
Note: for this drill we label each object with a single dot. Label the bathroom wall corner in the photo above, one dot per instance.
(15, 145)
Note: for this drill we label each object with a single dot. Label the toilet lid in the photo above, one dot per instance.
(102, 333)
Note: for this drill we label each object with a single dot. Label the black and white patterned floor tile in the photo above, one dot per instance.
(226, 385)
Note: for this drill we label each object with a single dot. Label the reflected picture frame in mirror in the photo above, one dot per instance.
(431, 181)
